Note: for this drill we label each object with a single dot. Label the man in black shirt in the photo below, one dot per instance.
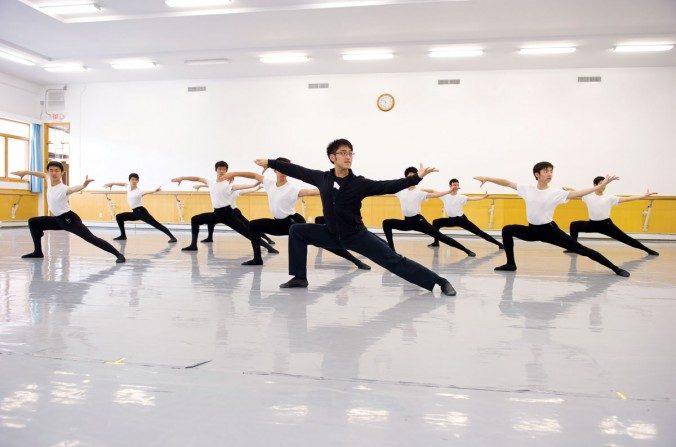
(342, 193)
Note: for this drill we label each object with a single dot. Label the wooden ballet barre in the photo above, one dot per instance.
(646, 215)
(15, 207)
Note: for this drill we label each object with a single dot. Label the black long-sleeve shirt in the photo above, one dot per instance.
(342, 196)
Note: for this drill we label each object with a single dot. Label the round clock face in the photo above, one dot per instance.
(385, 102)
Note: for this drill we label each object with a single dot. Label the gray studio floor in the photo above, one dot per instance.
(178, 349)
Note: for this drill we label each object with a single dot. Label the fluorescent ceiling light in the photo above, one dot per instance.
(206, 61)
(67, 8)
(456, 53)
(196, 3)
(367, 56)
(133, 65)
(283, 58)
(15, 58)
(66, 68)
(642, 48)
(547, 50)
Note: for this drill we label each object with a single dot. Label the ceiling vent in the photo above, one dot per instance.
(318, 85)
(201, 88)
(448, 81)
(589, 79)
(55, 100)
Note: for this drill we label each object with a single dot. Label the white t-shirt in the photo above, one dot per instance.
(599, 206)
(134, 197)
(540, 203)
(281, 199)
(411, 200)
(57, 199)
(453, 204)
(233, 198)
(220, 193)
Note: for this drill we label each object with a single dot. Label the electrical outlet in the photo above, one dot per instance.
(100, 215)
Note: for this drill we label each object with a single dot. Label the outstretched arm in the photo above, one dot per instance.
(111, 184)
(434, 194)
(496, 180)
(248, 186)
(474, 199)
(380, 187)
(311, 176)
(145, 193)
(308, 192)
(248, 189)
(630, 198)
(78, 188)
(22, 174)
(189, 178)
(583, 192)
(200, 185)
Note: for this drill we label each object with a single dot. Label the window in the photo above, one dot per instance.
(14, 141)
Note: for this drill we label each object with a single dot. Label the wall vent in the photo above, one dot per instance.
(55, 100)
(448, 81)
(318, 85)
(200, 88)
(589, 79)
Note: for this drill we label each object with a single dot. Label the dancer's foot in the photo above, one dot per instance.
(470, 253)
(120, 259)
(622, 272)
(207, 240)
(361, 266)
(447, 288)
(253, 262)
(33, 255)
(433, 244)
(172, 240)
(294, 282)
(501, 247)
(505, 268)
(120, 238)
(652, 253)
(190, 248)
(273, 251)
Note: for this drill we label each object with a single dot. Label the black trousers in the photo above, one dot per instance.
(551, 234)
(212, 225)
(363, 242)
(226, 216)
(70, 222)
(420, 224)
(464, 223)
(140, 213)
(280, 227)
(606, 227)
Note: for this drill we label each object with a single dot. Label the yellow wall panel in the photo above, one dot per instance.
(27, 204)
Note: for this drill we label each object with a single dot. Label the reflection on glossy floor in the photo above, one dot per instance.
(174, 348)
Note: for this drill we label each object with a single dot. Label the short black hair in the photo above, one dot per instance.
(133, 175)
(333, 146)
(57, 164)
(542, 165)
(221, 164)
(283, 159)
(453, 180)
(598, 179)
(409, 170)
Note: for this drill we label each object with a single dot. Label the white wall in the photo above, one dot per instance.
(19, 100)
(496, 123)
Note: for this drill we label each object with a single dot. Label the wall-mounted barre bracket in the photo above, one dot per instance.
(180, 206)
(646, 215)
(491, 213)
(15, 207)
(111, 207)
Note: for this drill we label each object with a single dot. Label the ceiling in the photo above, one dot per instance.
(323, 29)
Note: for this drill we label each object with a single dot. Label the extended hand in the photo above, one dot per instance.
(262, 162)
(159, 188)
(19, 174)
(481, 179)
(649, 193)
(423, 171)
(177, 180)
(609, 178)
(87, 181)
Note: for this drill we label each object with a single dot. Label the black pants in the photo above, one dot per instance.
(280, 227)
(140, 213)
(464, 223)
(606, 227)
(365, 243)
(212, 225)
(70, 222)
(418, 223)
(551, 234)
(226, 216)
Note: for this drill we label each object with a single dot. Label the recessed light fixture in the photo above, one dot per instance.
(284, 58)
(66, 68)
(196, 3)
(636, 48)
(15, 58)
(367, 55)
(68, 8)
(206, 61)
(133, 65)
(547, 50)
(460, 52)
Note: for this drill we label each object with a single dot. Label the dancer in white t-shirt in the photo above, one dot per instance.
(138, 211)
(453, 204)
(541, 200)
(599, 206)
(411, 200)
(63, 218)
